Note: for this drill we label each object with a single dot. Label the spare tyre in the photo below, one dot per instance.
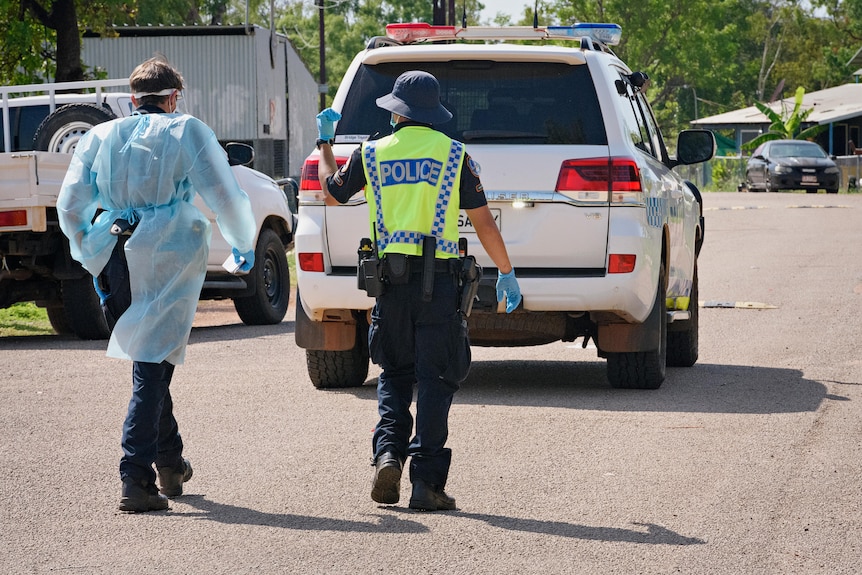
(60, 131)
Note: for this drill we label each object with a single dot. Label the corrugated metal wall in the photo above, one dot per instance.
(221, 74)
(239, 84)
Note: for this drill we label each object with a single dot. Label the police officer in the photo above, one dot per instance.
(415, 181)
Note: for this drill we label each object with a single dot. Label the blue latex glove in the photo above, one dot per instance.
(326, 123)
(507, 286)
(249, 260)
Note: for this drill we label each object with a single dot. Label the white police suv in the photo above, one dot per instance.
(603, 234)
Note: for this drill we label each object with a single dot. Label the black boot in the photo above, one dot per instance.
(427, 497)
(139, 496)
(386, 486)
(171, 480)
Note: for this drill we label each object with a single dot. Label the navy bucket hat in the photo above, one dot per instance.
(416, 95)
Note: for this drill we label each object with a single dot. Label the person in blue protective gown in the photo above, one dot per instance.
(143, 171)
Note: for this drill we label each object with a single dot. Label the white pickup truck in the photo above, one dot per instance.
(602, 232)
(35, 264)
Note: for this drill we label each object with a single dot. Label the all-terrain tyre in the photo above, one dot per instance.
(60, 131)
(57, 317)
(643, 369)
(336, 369)
(682, 336)
(268, 304)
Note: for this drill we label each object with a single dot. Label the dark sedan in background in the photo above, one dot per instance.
(791, 165)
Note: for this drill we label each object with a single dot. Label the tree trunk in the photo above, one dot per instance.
(62, 18)
(69, 67)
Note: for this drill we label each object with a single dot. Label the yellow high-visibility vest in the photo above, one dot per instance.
(413, 192)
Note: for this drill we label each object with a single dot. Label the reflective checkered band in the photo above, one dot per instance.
(369, 156)
(655, 210)
(407, 237)
(449, 175)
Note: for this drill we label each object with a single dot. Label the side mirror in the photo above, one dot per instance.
(239, 154)
(291, 192)
(695, 146)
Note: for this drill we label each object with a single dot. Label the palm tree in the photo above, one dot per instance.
(786, 126)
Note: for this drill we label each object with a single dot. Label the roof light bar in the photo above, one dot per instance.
(609, 34)
(422, 32)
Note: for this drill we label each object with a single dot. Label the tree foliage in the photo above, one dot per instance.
(704, 56)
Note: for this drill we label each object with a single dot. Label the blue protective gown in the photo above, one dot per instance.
(148, 167)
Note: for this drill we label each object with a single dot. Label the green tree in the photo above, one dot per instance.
(44, 36)
(789, 124)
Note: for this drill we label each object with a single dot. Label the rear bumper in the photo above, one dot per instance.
(629, 296)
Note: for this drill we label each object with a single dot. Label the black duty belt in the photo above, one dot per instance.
(440, 266)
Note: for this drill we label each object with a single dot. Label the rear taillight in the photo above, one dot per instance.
(310, 261)
(13, 218)
(583, 179)
(621, 263)
(309, 181)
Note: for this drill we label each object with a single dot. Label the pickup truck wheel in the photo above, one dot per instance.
(83, 310)
(57, 317)
(60, 131)
(682, 338)
(643, 369)
(268, 304)
(334, 369)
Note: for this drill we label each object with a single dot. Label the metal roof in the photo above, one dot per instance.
(830, 105)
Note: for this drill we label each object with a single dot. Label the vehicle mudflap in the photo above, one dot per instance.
(627, 337)
(323, 335)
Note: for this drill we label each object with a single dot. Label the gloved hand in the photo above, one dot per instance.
(326, 123)
(248, 257)
(507, 285)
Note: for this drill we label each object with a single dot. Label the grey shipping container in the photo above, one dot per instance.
(246, 82)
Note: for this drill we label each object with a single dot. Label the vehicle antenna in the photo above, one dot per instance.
(536, 14)
(464, 15)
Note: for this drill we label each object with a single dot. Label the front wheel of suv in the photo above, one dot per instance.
(268, 304)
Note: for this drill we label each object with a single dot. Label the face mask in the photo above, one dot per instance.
(392, 121)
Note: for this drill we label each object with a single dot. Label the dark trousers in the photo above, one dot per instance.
(150, 432)
(424, 344)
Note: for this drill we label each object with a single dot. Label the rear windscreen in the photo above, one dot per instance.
(491, 102)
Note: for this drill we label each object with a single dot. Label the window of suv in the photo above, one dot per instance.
(651, 127)
(491, 102)
(639, 122)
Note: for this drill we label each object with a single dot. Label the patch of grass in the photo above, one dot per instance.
(24, 319)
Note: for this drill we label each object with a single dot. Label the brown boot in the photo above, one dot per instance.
(171, 480)
(139, 496)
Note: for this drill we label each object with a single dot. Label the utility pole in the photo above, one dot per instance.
(444, 13)
(322, 88)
